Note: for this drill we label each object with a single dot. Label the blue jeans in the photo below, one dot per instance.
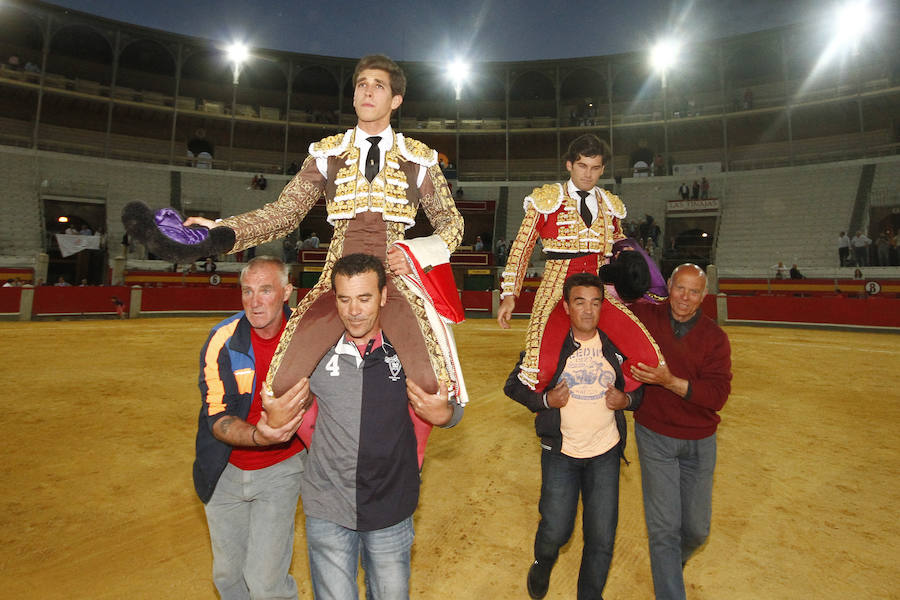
(597, 480)
(677, 479)
(251, 527)
(335, 551)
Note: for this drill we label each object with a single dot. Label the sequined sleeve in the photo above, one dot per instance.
(519, 254)
(279, 218)
(440, 208)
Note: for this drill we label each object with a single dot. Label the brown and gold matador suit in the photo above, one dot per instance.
(367, 217)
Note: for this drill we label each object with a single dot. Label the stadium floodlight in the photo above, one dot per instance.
(664, 54)
(458, 72)
(237, 53)
(853, 19)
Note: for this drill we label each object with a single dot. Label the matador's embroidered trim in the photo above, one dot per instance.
(415, 151)
(613, 203)
(333, 145)
(545, 300)
(546, 199)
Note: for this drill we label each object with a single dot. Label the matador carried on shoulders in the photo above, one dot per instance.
(374, 180)
(580, 229)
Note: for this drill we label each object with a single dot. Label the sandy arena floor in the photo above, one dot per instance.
(97, 501)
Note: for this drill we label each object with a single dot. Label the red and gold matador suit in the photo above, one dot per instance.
(367, 217)
(570, 247)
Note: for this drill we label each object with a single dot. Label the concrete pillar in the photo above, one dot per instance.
(41, 262)
(118, 272)
(26, 302)
(712, 279)
(292, 301)
(134, 308)
(495, 303)
(721, 309)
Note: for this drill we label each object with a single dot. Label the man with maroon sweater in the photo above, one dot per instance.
(675, 425)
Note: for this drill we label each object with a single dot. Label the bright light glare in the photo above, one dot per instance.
(664, 54)
(852, 21)
(458, 71)
(237, 53)
(63, 219)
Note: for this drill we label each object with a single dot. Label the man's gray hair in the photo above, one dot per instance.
(266, 259)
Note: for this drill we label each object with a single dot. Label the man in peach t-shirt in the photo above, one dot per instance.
(581, 425)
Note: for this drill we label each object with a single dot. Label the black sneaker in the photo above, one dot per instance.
(538, 580)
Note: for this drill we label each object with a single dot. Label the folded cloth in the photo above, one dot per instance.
(170, 225)
(164, 235)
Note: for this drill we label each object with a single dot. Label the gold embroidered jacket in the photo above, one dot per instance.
(553, 215)
(393, 193)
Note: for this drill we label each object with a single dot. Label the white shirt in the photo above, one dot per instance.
(360, 140)
(591, 200)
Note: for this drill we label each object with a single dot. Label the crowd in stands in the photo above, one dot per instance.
(698, 191)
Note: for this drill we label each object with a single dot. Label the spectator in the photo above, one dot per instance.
(502, 250)
(85, 230)
(32, 68)
(648, 231)
(262, 183)
(479, 244)
(781, 271)
(70, 230)
(293, 169)
(61, 282)
(120, 306)
(9, 283)
(843, 249)
(883, 246)
(704, 188)
(857, 273)
(695, 190)
(860, 244)
(254, 183)
(312, 242)
(795, 272)
(84, 283)
(209, 266)
(684, 191)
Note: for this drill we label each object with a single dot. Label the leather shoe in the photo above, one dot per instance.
(538, 580)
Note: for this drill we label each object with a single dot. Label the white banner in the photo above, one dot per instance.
(72, 244)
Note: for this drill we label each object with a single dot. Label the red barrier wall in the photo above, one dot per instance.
(52, 300)
(9, 299)
(198, 298)
(475, 300)
(840, 310)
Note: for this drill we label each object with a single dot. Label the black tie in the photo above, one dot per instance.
(586, 214)
(373, 158)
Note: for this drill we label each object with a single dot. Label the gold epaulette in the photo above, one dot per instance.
(332, 145)
(415, 151)
(614, 204)
(546, 199)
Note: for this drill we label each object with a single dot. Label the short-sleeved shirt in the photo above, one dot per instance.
(588, 427)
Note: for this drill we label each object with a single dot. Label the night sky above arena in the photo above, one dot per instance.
(472, 30)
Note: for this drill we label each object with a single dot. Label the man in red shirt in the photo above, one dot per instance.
(676, 423)
(247, 473)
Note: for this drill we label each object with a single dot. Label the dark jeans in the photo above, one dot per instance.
(597, 480)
